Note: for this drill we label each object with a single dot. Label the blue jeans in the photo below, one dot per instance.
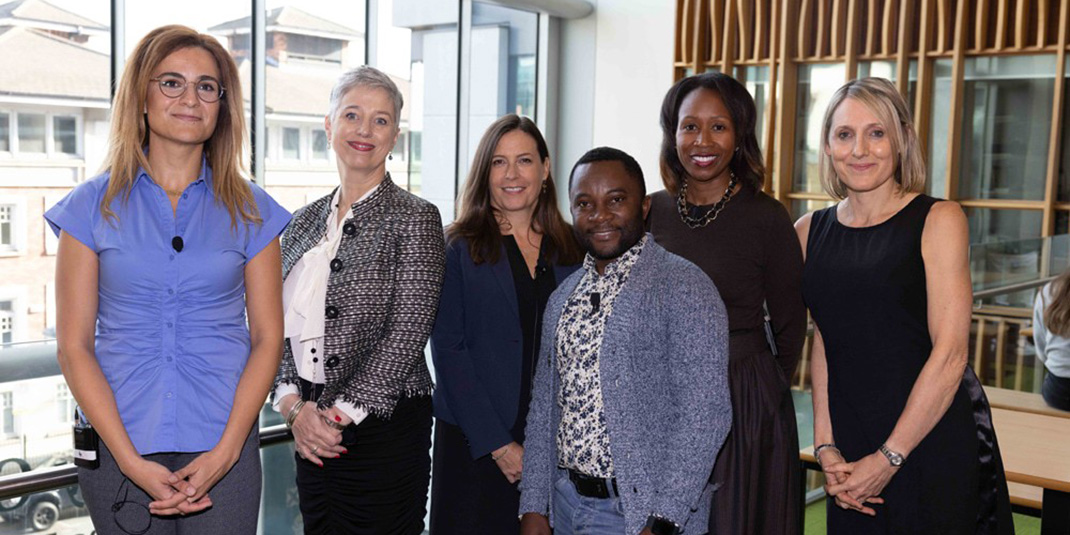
(580, 515)
(1056, 391)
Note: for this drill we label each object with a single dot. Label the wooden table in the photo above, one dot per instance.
(1036, 451)
(1002, 398)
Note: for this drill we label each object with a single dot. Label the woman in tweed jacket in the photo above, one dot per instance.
(362, 272)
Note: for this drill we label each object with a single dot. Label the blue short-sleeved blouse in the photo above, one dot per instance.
(171, 337)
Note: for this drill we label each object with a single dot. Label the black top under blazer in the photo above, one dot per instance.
(382, 296)
(477, 346)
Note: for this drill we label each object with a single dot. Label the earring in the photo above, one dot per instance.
(390, 156)
(737, 148)
(544, 186)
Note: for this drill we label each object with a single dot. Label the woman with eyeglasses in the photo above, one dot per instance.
(169, 292)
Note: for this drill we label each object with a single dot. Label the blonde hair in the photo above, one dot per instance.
(882, 99)
(130, 134)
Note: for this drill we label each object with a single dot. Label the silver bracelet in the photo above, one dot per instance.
(292, 415)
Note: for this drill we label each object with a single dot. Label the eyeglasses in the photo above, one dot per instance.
(174, 86)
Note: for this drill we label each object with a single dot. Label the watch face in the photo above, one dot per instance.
(895, 459)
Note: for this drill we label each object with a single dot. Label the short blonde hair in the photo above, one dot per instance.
(882, 99)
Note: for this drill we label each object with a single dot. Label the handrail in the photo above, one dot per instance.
(57, 477)
(1016, 287)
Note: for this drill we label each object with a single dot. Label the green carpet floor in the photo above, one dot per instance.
(815, 521)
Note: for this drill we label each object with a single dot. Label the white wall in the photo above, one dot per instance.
(616, 65)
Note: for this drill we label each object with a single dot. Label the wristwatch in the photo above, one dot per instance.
(895, 459)
(660, 525)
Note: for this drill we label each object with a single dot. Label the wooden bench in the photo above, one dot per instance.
(1013, 400)
(1028, 499)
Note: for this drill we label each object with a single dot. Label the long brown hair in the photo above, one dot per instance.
(130, 133)
(477, 221)
(1057, 314)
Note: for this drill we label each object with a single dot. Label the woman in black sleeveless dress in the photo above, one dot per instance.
(902, 427)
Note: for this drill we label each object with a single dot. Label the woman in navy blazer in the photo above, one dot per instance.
(506, 253)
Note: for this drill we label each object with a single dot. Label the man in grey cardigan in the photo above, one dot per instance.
(630, 403)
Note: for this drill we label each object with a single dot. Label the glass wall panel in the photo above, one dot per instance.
(939, 115)
(990, 225)
(756, 80)
(1006, 123)
(54, 120)
(501, 70)
(800, 208)
(887, 70)
(817, 83)
(418, 41)
(1063, 173)
(1062, 222)
(309, 45)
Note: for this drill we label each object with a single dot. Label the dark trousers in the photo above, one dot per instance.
(1056, 391)
(119, 507)
(380, 486)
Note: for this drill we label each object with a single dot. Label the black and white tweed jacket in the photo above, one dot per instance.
(382, 296)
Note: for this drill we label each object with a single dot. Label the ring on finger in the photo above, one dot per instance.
(313, 450)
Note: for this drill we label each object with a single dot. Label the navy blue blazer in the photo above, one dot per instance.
(477, 345)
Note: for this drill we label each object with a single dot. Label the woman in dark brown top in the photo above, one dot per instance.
(713, 212)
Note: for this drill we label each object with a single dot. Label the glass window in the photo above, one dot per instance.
(800, 207)
(7, 414)
(5, 132)
(31, 132)
(502, 68)
(887, 70)
(1006, 122)
(1063, 175)
(7, 322)
(7, 224)
(291, 143)
(817, 83)
(310, 45)
(939, 115)
(989, 225)
(1062, 222)
(756, 80)
(418, 43)
(64, 404)
(319, 144)
(64, 135)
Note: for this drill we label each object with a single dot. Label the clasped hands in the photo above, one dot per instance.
(314, 439)
(186, 490)
(854, 485)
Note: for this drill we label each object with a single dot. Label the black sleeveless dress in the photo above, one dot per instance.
(867, 294)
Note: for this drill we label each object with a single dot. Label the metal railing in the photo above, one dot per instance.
(58, 477)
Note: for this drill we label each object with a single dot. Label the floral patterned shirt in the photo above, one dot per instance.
(582, 439)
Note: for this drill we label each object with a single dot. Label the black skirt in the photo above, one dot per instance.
(380, 486)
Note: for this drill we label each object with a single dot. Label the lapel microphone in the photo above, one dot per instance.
(177, 244)
(596, 300)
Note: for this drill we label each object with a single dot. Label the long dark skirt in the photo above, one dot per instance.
(758, 466)
(380, 486)
(469, 496)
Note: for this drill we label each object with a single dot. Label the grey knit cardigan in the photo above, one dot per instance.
(664, 373)
(382, 297)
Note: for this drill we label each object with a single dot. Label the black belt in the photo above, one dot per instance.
(593, 487)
